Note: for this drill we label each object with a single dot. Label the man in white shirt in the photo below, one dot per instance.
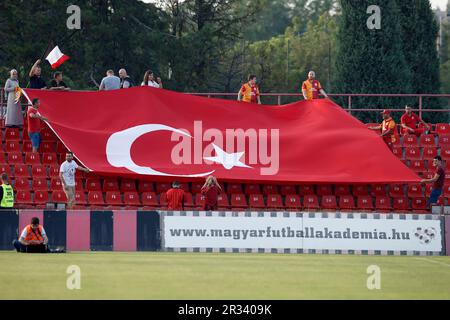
(67, 176)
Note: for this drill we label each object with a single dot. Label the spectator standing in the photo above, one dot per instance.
(249, 91)
(14, 117)
(312, 87)
(438, 182)
(67, 176)
(110, 82)
(175, 197)
(125, 80)
(57, 83)
(409, 123)
(387, 129)
(149, 80)
(6, 193)
(33, 238)
(211, 190)
(36, 81)
(34, 124)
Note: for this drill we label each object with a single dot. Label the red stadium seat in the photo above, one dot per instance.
(419, 204)
(342, 190)
(412, 153)
(12, 134)
(162, 187)
(442, 128)
(149, 199)
(428, 175)
(27, 146)
(255, 201)
(292, 202)
(383, 204)
(127, 185)
(163, 199)
(53, 171)
(184, 187)
(444, 140)
(95, 198)
(360, 190)
(238, 201)
(113, 198)
(445, 153)
(131, 198)
(32, 158)
(48, 135)
(2, 157)
(252, 189)
(40, 184)
(93, 184)
(40, 197)
(306, 190)
(59, 196)
(274, 201)
(21, 183)
(270, 189)
(49, 158)
(39, 171)
(446, 191)
(15, 157)
(401, 204)
(21, 170)
(145, 186)
(365, 203)
(5, 168)
(234, 188)
(346, 202)
(398, 152)
(23, 197)
(429, 153)
(110, 184)
(199, 199)
(324, 190)
(418, 166)
(415, 191)
(188, 201)
(80, 198)
(310, 202)
(396, 191)
(12, 146)
(410, 141)
(378, 190)
(56, 184)
(25, 136)
(428, 188)
(427, 140)
(48, 147)
(287, 189)
(328, 202)
(222, 201)
(79, 184)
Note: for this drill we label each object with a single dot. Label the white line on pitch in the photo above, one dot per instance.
(433, 261)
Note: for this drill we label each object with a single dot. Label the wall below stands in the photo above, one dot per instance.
(120, 230)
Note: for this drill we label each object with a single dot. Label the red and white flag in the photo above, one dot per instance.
(56, 57)
(144, 132)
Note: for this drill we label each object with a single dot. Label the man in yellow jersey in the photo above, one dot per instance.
(387, 129)
(312, 87)
(6, 193)
(250, 91)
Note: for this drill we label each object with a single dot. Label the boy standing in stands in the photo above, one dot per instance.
(34, 124)
(437, 180)
(175, 197)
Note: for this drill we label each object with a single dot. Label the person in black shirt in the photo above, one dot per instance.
(57, 83)
(36, 82)
(125, 80)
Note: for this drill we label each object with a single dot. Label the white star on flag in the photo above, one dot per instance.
(228, 160)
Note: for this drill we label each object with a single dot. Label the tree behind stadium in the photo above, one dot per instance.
(371, 61)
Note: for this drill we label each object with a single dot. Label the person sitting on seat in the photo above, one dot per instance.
(33, 238)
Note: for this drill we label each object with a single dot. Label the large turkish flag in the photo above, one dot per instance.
(161, 134)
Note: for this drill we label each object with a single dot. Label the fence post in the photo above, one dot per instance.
(279, 100)
(420, 106)
(350, 103)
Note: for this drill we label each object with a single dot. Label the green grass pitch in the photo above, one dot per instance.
(168, 276)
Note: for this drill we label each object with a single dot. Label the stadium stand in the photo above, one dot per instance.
(35, 178)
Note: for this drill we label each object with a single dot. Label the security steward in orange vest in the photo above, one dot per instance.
(33, 239)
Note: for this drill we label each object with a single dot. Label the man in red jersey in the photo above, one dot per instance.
(175, 197)
(311, 87)
(409, 122)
